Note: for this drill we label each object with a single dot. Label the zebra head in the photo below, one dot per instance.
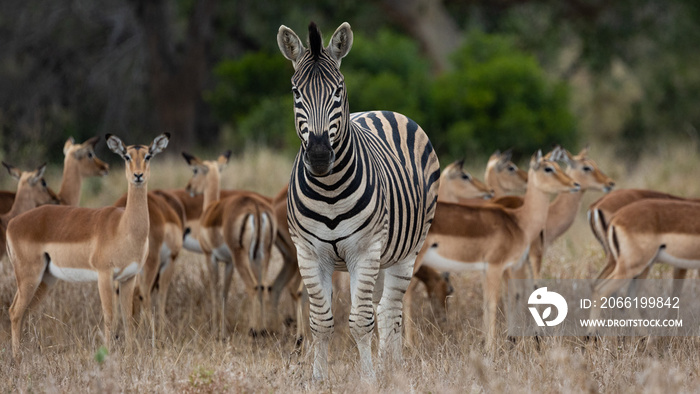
(320, 101)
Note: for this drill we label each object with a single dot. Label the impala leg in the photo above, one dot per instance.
(22, 300)
(253, 288)
(126, 296)
(389, 311)
(535, 256)
(678, 274)
(147, 278)
(409, 324)
(492, 289)
(228, 276)
(289, 274)
(106, 289)
(166, 276)
(299, 296)
(319, 284)
(213, 266)
(631, 263)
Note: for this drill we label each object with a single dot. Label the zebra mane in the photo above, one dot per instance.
(315, 40)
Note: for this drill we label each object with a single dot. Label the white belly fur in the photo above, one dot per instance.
(72, 274)
(192, 244)
(88, 275)
(433, 260)
(677, 262)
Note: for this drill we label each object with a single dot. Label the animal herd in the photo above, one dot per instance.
(366, 196)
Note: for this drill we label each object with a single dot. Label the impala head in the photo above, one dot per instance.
(459, 183)
(503, 174)
(84, 154)
(546, 175)
(137, 157)
(204, 171)
(320, 100)
(585, 171)
(32, 186)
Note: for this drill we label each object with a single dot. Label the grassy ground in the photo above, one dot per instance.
(62, 337)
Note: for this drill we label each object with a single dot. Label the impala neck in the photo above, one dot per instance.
(135, 219)
(562, 212)
(532, 215)
(21, 204)
(212, 188)
(69, 193)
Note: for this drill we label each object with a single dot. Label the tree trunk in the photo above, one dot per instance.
(177, 71)
(429, 22)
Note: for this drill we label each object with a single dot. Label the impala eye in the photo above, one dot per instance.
(43, 183)
(549, 169)
(511, 168)
(90, 155)
(194, 171)
(127, 157)
(466, 177)
(147, 158)
(587, 169)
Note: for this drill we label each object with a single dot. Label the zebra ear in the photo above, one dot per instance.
(290, 45)
(341, 42)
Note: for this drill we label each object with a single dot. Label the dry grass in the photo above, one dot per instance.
(62, 337)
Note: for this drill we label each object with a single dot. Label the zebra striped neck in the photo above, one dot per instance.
(344, 147)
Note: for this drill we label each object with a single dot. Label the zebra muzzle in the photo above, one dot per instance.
(319, 155)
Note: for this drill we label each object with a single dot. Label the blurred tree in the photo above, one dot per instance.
(498, 97)
(177, 67)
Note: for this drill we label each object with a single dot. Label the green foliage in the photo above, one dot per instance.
(387, 72)
(497, 97)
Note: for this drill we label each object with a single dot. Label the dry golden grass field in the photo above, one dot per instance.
(62, 338)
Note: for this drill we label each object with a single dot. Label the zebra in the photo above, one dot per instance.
(362, 196)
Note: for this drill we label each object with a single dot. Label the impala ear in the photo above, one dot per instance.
(341, 42)
(116, 145)
(159, 143)
(70, 142)
(223, 159)
(290, 45)
(92, 141)
(584, 152)
(503, 159)
(191, 159)
(535, 160)
(38, 174)
(14, 171)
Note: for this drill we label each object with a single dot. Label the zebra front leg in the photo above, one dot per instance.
(389, 311)
(363, 278)
(318, 282)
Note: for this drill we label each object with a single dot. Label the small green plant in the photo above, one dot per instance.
(101, 354)
(201, 377)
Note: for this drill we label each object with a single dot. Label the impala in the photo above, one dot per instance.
(503, 176)
(80, 162)
(31, 193)
(238, 230)
(457, 185)
(82, 244)
(602, 211)
(647, 231)
(562, 211)
(492, 238)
